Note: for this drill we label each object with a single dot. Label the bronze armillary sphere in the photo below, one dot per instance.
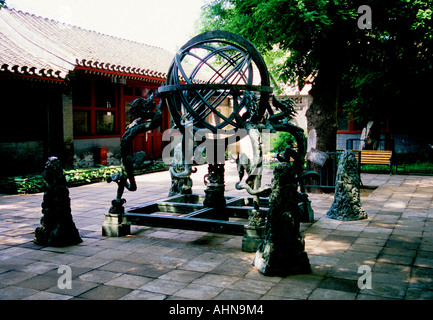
(208, 69)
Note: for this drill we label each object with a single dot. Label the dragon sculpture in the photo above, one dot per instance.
(143, 119)
(279, 121)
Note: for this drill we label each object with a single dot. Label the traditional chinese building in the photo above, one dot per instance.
(66, 91)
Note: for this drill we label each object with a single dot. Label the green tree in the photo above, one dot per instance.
(391, 72)
(365, 71)
(3, 4)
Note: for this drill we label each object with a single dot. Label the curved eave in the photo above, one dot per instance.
(122, 72)
(57, 76)
(42, 75)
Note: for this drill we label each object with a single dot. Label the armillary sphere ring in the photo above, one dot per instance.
(209, 68)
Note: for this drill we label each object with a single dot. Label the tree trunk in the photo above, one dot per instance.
(322, 114)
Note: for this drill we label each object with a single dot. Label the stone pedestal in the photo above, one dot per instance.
(307, 212)
(253, 236)
(214, 193)
(254, 231)
(113, 226)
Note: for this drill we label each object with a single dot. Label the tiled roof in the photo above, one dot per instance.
(40, 47)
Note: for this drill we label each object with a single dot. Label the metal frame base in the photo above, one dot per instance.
(188, 212)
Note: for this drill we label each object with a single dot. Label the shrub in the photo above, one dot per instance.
(375, 168)
(281, 141)
(76, 177)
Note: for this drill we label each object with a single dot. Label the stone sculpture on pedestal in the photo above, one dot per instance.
(57, 227)
(282, 250)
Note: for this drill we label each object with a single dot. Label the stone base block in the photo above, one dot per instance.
(253, 236)
(113, 226)
(272, 263)
(307, 213)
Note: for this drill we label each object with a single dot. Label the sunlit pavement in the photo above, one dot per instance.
(395, 243)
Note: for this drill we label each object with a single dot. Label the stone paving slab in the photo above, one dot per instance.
(395, 242)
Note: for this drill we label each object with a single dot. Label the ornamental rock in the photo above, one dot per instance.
(347, 200)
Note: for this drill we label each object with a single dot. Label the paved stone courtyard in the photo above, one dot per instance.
(395, 242)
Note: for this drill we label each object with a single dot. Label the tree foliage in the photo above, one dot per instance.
(393, 61)
(290, 26)
(369, 72)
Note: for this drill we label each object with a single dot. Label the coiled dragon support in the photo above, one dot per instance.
(143, 119)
